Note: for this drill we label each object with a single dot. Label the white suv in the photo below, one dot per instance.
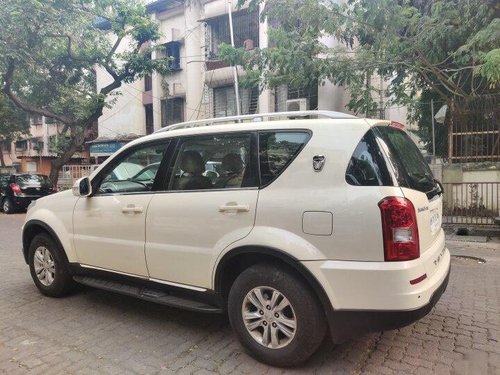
(292, 223)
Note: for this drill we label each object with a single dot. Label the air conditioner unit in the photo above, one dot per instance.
(301, 104)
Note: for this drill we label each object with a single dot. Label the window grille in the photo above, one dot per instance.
(172, 111)
(283, 93)
(245, 27)
(224, 101)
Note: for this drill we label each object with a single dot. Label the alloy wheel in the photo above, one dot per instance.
(44, 265)
(269, 317)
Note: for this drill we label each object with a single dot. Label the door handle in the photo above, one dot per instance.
(132, 209)
(234, 207)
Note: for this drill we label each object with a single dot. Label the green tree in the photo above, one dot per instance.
(50, 50)
(448, 47)
(13, 122)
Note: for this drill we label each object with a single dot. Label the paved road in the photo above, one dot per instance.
(96, 332)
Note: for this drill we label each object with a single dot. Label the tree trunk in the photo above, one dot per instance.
(56, 164)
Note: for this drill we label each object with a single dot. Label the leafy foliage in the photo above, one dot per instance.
(50, 50)
(449, 47)
(13, 122)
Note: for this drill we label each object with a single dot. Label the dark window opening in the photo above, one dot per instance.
(148, 83)
(172, 53)
(22, 145)
(172, 111)
(148, 108)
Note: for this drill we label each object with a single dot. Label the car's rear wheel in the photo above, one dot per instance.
(275, 315)
(48, 266)
(7, 206)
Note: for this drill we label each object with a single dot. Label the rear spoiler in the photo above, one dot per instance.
(393, 124)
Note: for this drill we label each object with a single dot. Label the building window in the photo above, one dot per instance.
(172, 51)
(284, 93)
(148, 109)
(21, 145)
(36, 119)
(37, 144)
(224, 103)
(148, 83)
(245, 27)
(172, 111)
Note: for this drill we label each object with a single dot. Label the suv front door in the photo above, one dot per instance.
(109, 227)
(210, 203)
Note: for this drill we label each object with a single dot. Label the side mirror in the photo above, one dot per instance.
(82, 187)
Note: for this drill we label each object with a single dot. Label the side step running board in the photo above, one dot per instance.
(148, 294)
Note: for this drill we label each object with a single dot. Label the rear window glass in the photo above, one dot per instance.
(32, 179)
(367, 166)
(277, 149)
(407, 161)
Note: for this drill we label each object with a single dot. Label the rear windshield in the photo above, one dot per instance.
(32, 179)
(407, 161)
(386, 145)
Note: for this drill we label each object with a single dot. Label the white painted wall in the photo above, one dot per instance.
(126, 116)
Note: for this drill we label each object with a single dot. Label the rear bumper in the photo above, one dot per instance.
(346, 324)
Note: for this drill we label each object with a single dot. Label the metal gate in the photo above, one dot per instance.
(476, 203)
(70, 173)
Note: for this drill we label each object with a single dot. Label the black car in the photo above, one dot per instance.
(18, 190)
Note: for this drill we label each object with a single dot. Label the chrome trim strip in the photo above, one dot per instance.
(118, 272)
(195, 288)
(184, 286)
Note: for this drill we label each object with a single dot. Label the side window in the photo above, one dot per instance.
(277, 149)
(135, 172)
(367, 166)
(219, 161)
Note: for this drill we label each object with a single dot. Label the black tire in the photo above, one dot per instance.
(8, 206)
(304, 308)
(60, 281)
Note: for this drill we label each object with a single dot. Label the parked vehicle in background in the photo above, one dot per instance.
(292, 223)
(17, 191)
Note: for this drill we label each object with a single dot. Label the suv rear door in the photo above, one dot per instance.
(209, 203)
(416, 181)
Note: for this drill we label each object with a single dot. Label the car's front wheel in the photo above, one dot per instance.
(48, 266)
(275, 315)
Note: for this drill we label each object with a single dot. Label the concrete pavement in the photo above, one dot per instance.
(96, 332)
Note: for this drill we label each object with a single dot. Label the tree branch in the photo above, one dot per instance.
(7, 90)
(71, 54)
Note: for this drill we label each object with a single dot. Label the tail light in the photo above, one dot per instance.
(15, 188)
(54, 189)
(399, 225)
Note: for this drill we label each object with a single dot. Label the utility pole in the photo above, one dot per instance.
(235, 71)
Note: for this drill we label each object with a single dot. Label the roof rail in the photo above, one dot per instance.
(256, 117)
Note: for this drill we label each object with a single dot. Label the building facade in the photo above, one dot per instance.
(35, 152)
(200, 85)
